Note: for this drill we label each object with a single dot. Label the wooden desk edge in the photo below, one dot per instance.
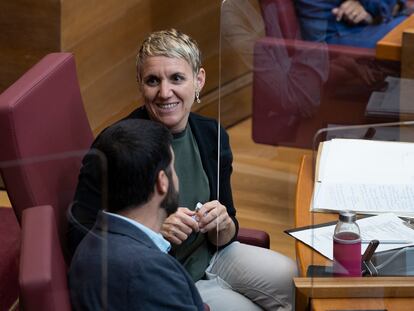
(378, 287)
(388, 51)
(389, 47)
(299, 196)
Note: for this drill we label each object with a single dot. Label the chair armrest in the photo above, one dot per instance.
(254, 237)
(334, 50)
(42, 276)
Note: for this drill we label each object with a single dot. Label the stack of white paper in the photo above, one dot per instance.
(365, 176)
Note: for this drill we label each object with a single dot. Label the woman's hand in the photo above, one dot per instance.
(214, 220)
(352, 12)
(178, 226)
(213, 215)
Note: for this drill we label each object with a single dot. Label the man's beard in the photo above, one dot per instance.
(170, 202)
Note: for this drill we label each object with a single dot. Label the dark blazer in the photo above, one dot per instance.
(88, 196)
(118, 261)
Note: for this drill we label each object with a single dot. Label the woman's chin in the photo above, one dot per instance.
(173, 124)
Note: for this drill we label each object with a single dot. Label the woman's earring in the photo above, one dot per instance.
(197, 95)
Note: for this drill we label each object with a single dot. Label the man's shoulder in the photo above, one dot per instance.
(121, 250)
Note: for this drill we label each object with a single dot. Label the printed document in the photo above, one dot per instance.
(384, 227)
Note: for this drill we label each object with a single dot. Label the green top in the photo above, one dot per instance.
(193, 253)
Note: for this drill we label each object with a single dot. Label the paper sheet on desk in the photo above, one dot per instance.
(382, 227)
(366, 198)
(378, 178)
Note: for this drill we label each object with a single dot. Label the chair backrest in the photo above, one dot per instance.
(44, 133)
(43, 272)
(282, 11)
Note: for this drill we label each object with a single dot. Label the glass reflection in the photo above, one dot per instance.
(308, 84)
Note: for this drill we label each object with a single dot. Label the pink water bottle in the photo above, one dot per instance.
(347, 246)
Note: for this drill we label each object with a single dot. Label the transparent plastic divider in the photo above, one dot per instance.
(280, 95)
(51, 179)
(264, 173)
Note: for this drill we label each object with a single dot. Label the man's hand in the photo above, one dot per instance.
(178, 226)
(352, 12)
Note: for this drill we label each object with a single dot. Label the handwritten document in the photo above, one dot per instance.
(365, 176)
(383, 227)
(369, 198)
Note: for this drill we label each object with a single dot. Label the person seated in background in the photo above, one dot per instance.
(229, 275)
(124, 256)
(360, 23)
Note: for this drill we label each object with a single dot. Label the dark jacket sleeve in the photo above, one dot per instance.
(164, 285)
(205, 131)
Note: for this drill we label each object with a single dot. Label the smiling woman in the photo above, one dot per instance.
(228, 274)
(169, 86)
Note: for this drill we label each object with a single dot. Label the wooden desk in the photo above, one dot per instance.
(398, 45)
(340, 293)
(303, 217)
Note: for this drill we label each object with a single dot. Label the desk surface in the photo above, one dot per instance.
(389, 47)
(303, 217)
(306, 256)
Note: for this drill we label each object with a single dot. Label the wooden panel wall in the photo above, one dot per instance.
(104, 36)
(28, 31)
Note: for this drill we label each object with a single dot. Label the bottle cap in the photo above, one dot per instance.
(198, 206)
(347, 216)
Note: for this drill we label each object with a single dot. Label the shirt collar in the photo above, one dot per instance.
(157, 238)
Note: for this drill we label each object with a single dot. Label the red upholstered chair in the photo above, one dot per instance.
(43, 271)
(300, 86)
(44, 133)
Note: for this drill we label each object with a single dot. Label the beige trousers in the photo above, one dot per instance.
(248, 278)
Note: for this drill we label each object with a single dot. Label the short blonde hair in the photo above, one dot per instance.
(169, 43)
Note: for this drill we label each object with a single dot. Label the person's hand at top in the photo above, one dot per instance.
(178, 226)
(352, 12)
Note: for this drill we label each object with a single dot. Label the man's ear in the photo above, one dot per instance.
(162, 182)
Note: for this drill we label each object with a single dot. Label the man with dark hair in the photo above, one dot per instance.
(123, 263)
